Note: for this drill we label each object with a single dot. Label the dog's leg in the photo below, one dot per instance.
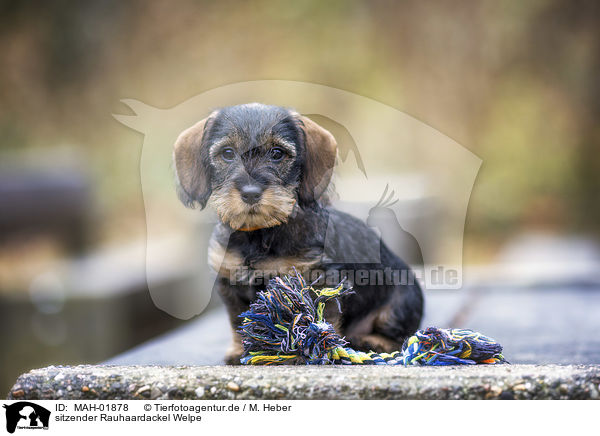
(386, 328)
(397, 320)
(235, 350)
(234, 305)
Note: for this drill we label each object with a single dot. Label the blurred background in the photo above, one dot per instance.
(514, 82)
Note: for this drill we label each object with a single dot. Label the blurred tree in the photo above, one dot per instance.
(564, 49)
(515, 82)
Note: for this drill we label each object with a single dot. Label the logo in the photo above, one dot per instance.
(426, 179)
(26, 415)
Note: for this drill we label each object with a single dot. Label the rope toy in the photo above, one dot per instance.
(286, 324)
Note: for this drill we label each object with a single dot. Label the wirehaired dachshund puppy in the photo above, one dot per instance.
(266, 171)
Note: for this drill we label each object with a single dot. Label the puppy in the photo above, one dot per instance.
(265, 170)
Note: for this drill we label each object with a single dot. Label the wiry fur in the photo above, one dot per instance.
(291, 225)
(274, 209)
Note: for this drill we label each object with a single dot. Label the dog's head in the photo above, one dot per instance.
(253, 163)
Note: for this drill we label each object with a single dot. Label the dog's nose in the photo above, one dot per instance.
(251, 193)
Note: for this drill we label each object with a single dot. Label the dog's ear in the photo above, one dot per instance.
(192, 165)
(319, 160)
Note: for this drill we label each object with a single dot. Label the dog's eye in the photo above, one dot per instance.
(276, 154)
(228, 154)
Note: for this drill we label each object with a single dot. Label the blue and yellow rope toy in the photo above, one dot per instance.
(286, 324)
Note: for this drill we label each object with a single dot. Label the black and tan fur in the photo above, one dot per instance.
(265, 170)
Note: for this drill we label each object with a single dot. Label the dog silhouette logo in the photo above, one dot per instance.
(26, 415)
(431, 174)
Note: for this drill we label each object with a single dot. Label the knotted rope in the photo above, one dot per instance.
(286, 322)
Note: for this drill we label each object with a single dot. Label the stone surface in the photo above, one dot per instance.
(310, 382)
(199, 342)
(541, 326)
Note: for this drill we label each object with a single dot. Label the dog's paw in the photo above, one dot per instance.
(234, 354)
(374, 342)
(233, 359)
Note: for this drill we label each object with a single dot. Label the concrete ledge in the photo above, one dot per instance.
(309, 382)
